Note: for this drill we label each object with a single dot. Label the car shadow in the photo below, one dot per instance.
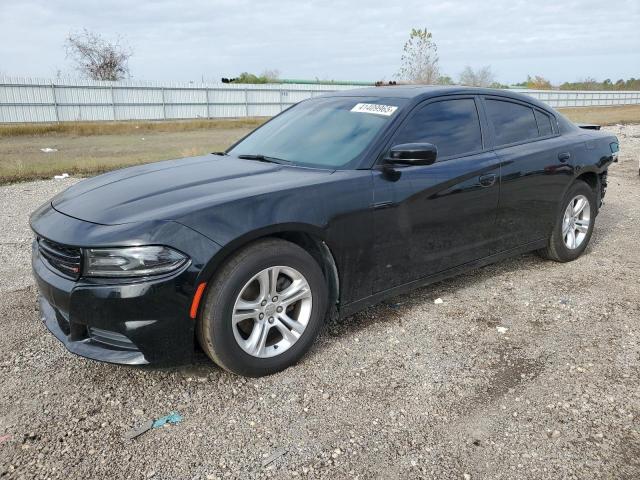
(379, 313)
(390, 310)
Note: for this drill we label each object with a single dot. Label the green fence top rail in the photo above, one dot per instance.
(325, 82)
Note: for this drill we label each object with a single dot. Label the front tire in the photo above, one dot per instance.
(263, 309)
(574, 225)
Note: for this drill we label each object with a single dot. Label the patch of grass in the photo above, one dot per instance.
(88, 167)
(21, 158)
(603, 115)
(129, 127)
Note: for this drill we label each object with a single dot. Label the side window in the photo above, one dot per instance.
(451, 125)
(511, 122)
(544, 123)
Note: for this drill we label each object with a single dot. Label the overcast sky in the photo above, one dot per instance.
(563, 40)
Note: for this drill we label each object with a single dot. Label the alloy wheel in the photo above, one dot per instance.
(576, 221)
(272, 311)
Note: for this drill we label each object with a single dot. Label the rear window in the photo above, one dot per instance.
(511, 122)
(451, 125)
(544, 124)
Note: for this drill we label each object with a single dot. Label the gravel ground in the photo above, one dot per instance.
(528, 369)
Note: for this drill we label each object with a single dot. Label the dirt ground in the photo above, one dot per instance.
(528, 369)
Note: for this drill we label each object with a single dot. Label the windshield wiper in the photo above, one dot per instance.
(263, 158)
(222, 154)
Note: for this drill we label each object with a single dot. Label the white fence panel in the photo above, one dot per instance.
(84, 113)
(27, 94)
(139, 112)
(583, 98)
(228, 111)
(27, 113)
(83, 96)
(41, 100)
(136, 96)
(177, 112)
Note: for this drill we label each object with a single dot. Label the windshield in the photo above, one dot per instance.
(324, 132)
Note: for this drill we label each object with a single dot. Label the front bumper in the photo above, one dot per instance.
(134, 324)
(126, 321)
(85, 346)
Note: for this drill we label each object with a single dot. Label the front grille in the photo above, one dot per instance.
(110, 338)
(64, 259)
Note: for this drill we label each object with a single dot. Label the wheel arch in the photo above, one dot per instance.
(309, 237)
(591, 178)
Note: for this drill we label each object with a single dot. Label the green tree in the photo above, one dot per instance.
(268, 76)
(445, 80)
(538, 82)
(246, 77)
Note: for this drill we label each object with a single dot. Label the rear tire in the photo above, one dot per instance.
(243, 329)
(574, 225)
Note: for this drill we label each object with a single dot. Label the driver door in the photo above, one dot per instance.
(431, 218)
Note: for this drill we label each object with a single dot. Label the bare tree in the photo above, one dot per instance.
(420, 58)
(98, 58)
(271, 75)
(483, 77)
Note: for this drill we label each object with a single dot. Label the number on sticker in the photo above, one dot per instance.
(375, 108)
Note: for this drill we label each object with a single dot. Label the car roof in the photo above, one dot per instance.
(399, 91)
(421, 92)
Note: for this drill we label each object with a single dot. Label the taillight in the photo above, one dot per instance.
(615, 147)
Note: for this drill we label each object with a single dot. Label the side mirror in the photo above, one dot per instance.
(412, 154)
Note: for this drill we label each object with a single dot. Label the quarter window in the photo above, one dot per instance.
(511, 122)
(452, 126)
(544, 123)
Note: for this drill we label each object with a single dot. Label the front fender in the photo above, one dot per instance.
(247, 237)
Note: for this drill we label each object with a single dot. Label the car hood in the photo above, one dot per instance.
(168, 190)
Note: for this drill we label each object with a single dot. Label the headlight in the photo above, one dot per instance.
(131, 261)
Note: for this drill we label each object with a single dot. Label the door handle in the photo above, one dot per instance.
(487, 180)
(564, 156)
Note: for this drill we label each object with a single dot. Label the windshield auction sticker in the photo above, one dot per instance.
(386, 110)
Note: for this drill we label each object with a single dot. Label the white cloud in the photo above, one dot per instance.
(359, 40)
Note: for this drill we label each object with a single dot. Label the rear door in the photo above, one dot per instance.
(430, 218)
(536, 169)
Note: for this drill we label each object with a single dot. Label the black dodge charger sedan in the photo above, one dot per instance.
(331, 206)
